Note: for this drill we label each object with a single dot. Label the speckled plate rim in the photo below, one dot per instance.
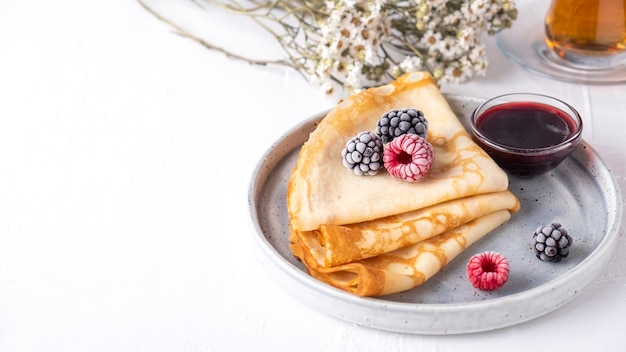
(434, 319)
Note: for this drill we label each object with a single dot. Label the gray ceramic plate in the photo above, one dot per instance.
(581, 194)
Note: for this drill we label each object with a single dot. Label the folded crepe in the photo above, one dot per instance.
(334, 245)
(408, 267)
(338, 218)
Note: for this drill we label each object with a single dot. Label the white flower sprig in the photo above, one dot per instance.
(355, 44)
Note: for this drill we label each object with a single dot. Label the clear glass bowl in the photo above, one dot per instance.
(526, 134)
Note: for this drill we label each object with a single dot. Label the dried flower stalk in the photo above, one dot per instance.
(354, 44)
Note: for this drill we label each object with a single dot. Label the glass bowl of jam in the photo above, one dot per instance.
(526, 134)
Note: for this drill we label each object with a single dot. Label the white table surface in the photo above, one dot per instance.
(125, 157)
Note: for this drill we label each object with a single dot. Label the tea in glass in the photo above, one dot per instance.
(588, 34)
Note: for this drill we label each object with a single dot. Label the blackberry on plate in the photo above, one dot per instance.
(551, 243)
(363, 154)
(398, 122)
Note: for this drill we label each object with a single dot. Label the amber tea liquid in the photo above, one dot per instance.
(588, 34)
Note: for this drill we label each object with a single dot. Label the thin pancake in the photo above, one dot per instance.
(407, 267)
(334, 245)
(321, 191)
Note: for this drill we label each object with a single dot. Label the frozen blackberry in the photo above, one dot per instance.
(363, 154)
(398, 122)
(551, 243)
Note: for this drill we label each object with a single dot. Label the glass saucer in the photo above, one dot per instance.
(525, 45)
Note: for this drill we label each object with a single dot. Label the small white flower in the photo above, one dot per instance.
(396, 71)
(456, 72)
(354, 77)
(452, 19)
(349, 3)
(466, 38)
(436, 3)
(330, 87)
(479, 7)
(411, 64)
(477, 58)
(330, 5)
(429, 39)
(448, 48)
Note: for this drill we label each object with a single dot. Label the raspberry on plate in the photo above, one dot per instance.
(488, 270)
(408, 157)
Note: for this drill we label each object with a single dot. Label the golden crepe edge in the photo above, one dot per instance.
(334, 245)
(404, 268)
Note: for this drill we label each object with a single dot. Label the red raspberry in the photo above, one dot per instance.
(408, 157)
(488, 270)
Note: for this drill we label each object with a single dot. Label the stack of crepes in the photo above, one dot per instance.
(377, 235)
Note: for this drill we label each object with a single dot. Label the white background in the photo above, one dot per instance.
(125, 157)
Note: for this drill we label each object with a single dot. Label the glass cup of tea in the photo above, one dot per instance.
(587, 34)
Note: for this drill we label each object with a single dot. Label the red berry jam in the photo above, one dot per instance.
(527, 138)
(526, 125)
